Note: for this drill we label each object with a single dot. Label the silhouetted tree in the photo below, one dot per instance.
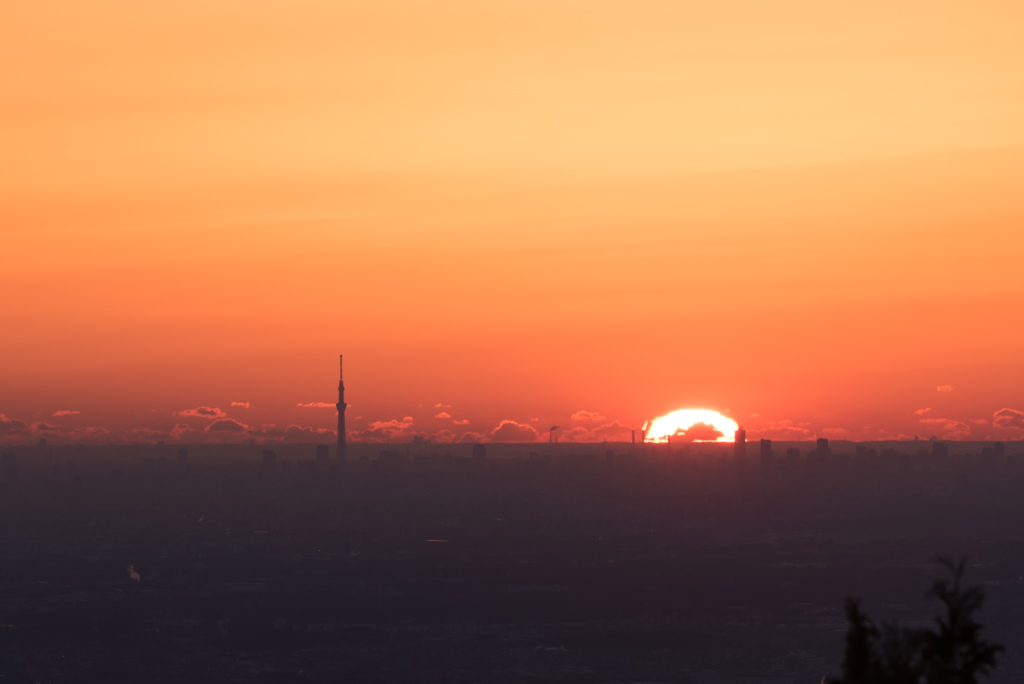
(951, 653)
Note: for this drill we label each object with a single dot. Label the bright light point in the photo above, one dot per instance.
(707, 426)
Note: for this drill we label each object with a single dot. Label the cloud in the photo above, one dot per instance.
(612, 432)
(442, 406)
(1008, 418)
(464, 421)
(267, 432)
(136, 434)
(473, 437)
(89, 433)
(229, 425)
(241, 404)
(153, 434)
(921, 412)
(835, 432)
(785, 430)
(511, 431)
(45, 427)
(944, 388)
(698, 432)
(576, 434)
(443, 436)
(952, 429)
(12, 427)
(317, 404)
(980, 421)
(393, 425)
(383, 430)
(178, 431)
(588, 417)
(297, 433)
(58, 414)
(203, 412)
(443, 415)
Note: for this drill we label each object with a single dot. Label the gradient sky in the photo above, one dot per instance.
(805, 215)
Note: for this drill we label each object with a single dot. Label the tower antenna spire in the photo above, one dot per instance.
(341, 406)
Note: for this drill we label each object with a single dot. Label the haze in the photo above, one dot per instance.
(806, 216)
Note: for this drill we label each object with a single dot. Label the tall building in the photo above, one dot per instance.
(739, 446)
(767, 455)
(341, 405)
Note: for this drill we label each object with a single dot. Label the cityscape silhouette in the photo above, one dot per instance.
(512, 341)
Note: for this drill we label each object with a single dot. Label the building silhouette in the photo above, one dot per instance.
(767, 455)
(739, 447)
(341, 405)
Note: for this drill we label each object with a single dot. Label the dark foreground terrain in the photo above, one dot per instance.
(606, 563)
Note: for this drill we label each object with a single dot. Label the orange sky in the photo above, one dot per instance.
(806, 215)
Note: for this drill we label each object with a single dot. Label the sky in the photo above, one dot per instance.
(510, 215)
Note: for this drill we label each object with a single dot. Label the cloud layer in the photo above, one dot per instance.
(12, 426)
(1008, 418)
(785, 430)
(511, 431)
(950, 428)
(202, 412)
(229, 425)
(613, 431)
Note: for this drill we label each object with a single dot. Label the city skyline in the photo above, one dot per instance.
(438, 423)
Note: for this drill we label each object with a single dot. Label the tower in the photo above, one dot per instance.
(342, 448)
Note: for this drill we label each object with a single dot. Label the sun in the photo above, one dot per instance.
(695, 425)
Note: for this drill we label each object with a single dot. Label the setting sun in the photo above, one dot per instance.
(693, 425)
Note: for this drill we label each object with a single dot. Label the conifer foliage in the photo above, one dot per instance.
(951, 652)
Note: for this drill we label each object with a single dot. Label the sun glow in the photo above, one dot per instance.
(695, 425)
